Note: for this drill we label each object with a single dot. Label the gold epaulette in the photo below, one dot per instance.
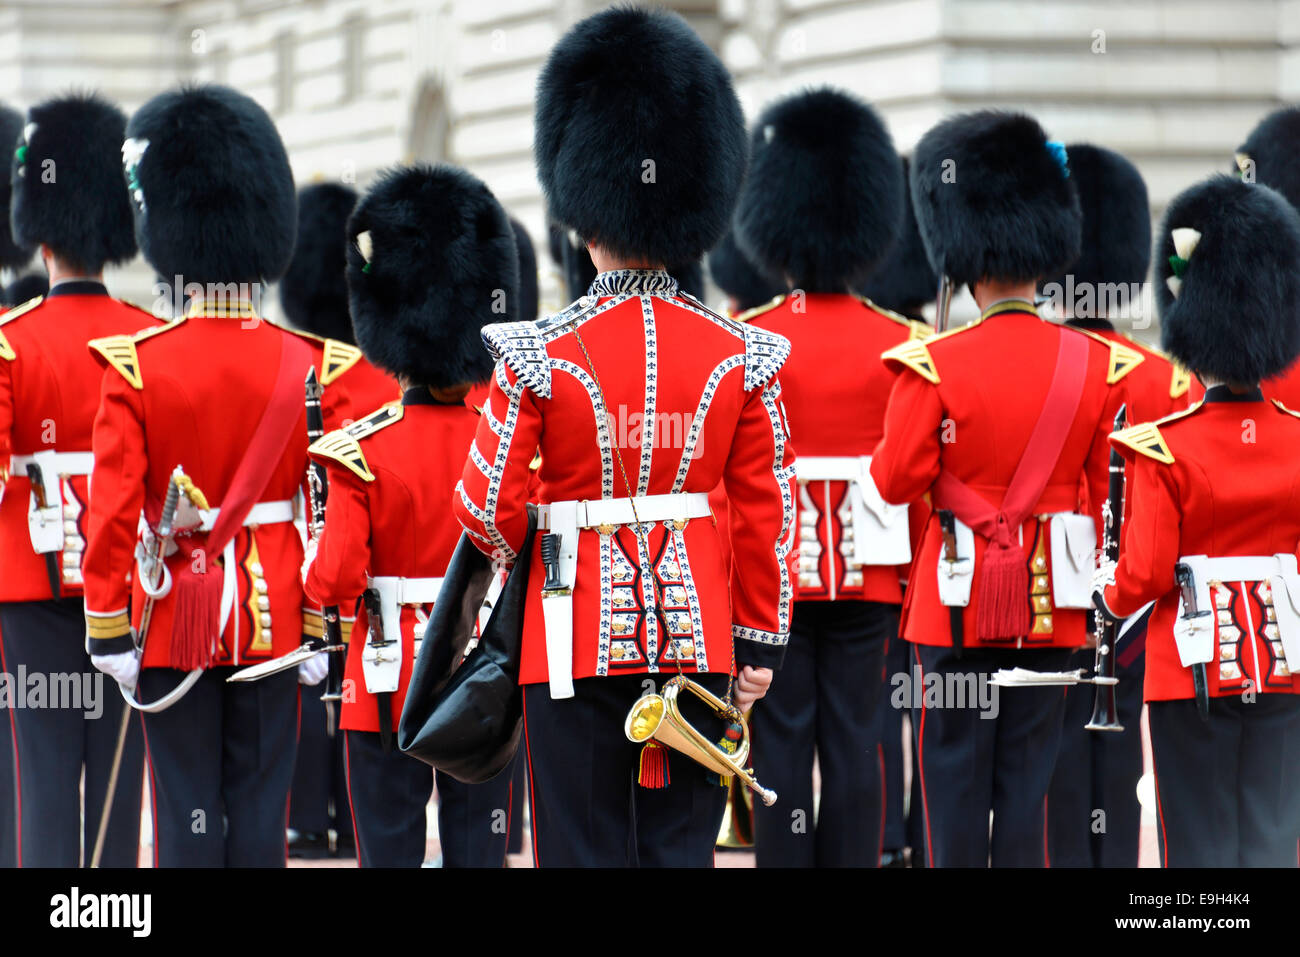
(1123, 358)
(749, 314)
(914, 354)
(119, 351)
(1179, 382)
(338, 358)
(344, 445)
(6, 350)
(1145, 439)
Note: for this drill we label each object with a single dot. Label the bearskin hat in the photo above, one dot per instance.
(81, 211)
(1227, 282)
(824, 196)
(1269, 153)
(211, 187)
(993, 199)
(904, 281)
(1116, 244)
(431, 260)
(12, 255)
(639, 138)
(23, 288)
(737, 276)
(313, 290)
(529, 301)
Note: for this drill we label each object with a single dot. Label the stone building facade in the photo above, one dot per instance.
(356, 86)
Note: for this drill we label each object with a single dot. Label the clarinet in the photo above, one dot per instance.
(318, 487)
(1105, 712)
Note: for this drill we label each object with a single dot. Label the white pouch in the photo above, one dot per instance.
(881, 534)
(1286, 604)
(955, 577)
(1074, 556)
(45, 525)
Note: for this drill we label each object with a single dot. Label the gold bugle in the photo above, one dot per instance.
(659, 716)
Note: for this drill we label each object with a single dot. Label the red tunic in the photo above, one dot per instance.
(688, 398)
(1220, 479)
(48, 397)
(1148, 385)
(967, 401)
(835, 392)
(413, 464)
(191, 393)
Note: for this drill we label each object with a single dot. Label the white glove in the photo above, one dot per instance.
(1195, 639)
(308, 556)
(123, 667)
(314, 669)
(1103, 575)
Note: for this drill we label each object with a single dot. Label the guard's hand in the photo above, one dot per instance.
(1103, 576)
(314, 669)
(751, 684)
(124, 667)
(308, 556)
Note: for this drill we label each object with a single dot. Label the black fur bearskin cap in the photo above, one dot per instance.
(823, 200)
(1228, 280)
(993, 199)
(431, 260)
(211, 187)
(639, 137)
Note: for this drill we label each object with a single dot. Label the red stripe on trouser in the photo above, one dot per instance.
(18, 778)
(1160, 811)
(920, 766)
(1047, 858)
(347, 782)
(288, 800)
(884, 796)
(532, 781)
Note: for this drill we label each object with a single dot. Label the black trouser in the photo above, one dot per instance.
(824, 701)
(587, 808)
(319, 798)
(902, 810)
(74, 728)
(975, 759)
(8, 783)
(474, 819)
(1227, 790)
(222, 754)
(389, 792)
(1092, 800)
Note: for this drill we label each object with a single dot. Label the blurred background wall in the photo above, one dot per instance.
(355, 86)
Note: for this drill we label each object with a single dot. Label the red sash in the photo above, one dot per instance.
(198, 591)
(1004, 609)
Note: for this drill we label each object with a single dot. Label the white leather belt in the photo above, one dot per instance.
(565, 519)
(59, 463)
(263, 513)
(1278, 570)
(381, 665)
(880, 530)
(593, 513)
